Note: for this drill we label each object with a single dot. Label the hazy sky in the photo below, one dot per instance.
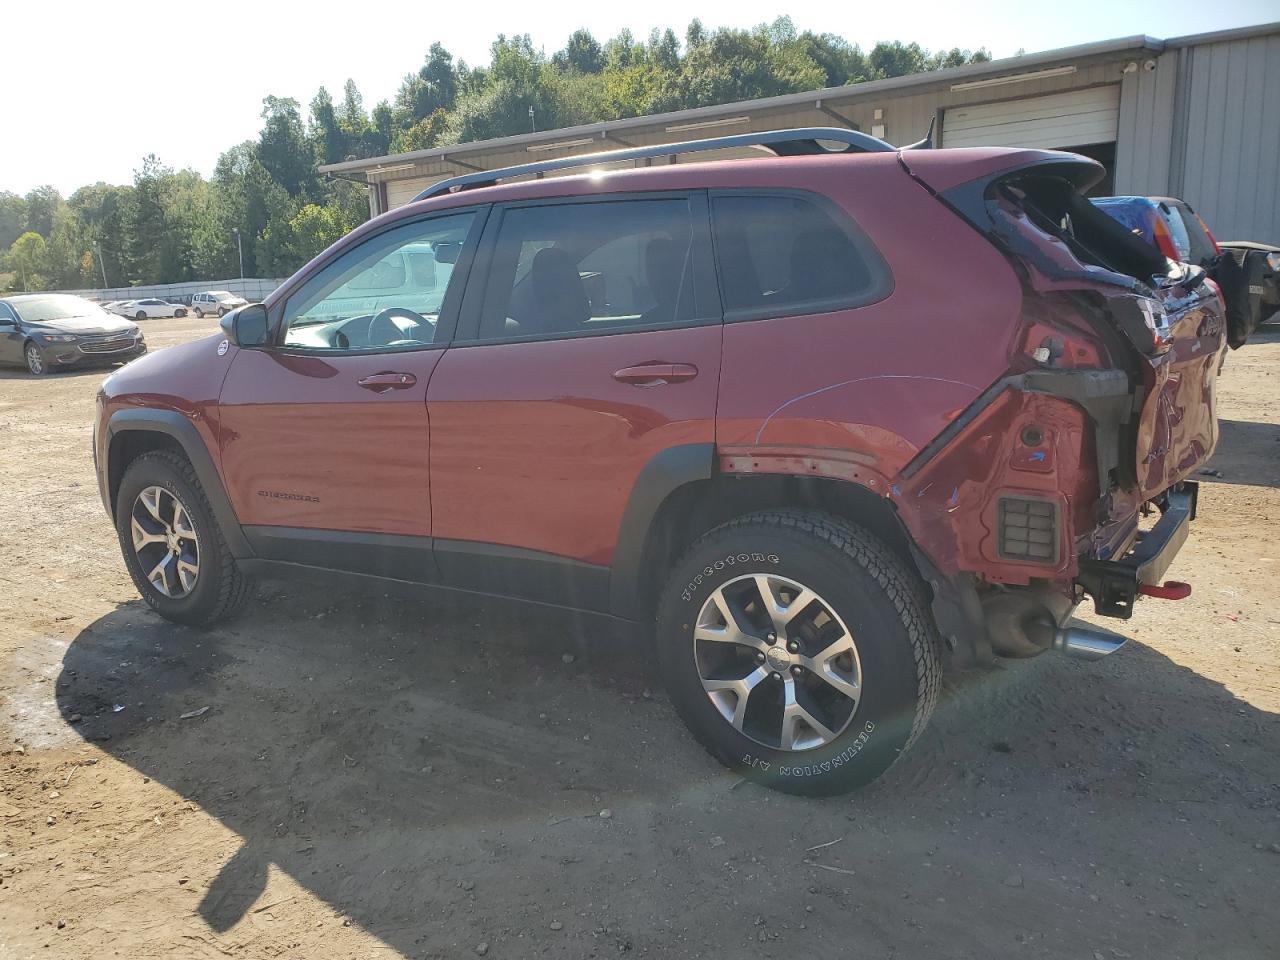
(88, 89)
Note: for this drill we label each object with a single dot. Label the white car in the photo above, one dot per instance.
(150, 309)
(216, 302)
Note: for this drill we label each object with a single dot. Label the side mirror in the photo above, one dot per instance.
(246, 327)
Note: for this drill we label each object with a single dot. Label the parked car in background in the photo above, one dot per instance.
(1177, 231)
(118, 307)
(1260, 263)
(151, 308)
(53, 331)
(715, 400)
(217, 302)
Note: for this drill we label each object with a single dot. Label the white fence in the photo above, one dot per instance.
(251, 288)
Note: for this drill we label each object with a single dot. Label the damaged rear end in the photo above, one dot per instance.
(1068, 476)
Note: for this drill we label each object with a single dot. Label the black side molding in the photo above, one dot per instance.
(174, 425)
(375, 554)
(667, 471)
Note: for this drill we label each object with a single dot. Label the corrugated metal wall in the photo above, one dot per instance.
(1204, 126)
(1226, 156)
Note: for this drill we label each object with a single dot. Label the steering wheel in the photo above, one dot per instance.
(381, 323)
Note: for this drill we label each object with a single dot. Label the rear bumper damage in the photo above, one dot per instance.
(1115, 584)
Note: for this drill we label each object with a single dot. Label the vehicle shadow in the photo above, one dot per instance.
(1247, 453)
(436, 770)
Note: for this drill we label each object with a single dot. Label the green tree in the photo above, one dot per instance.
(283, 149)
(326, 134)
(897, 59)
(13, 218)
(581, 53)
(43, 204)
(26, 258)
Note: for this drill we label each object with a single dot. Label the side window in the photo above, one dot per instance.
(7, 315)
(786, 255)
(569, 269)
(386, 293)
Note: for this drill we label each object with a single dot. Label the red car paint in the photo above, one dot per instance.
(537, 446)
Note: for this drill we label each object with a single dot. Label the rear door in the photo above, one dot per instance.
(591, 346)
(324, 435)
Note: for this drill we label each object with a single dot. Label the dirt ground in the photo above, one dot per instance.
(378, 777)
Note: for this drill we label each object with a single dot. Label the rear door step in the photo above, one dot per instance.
(1114, 585)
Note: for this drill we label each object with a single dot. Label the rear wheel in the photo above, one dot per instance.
(172, 545)
(140, 315)
(35, 360)
(798, 650)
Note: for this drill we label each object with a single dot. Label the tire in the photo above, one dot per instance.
(35, 360)
(870, 595)
(180, 312)
(199, 314)
(140, 315)
(219, 588)
(222, 311)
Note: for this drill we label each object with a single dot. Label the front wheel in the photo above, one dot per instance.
(199, 314)
(35, 360)
(172, 545)
(222, 311)
(799, 651)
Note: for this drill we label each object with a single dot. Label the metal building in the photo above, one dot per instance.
(1196, 117)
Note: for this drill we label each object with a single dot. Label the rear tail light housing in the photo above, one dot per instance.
(1164, 239)
(1209, 233)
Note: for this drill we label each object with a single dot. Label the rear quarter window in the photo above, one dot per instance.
(786, 254)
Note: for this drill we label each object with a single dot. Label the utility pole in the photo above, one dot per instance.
(101, 263)
(240, 250)
(533, 124)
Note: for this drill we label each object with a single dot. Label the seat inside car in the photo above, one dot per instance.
(559, 300)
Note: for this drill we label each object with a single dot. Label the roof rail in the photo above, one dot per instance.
(782, 143)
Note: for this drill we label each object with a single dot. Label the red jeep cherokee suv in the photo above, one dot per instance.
(822, 419)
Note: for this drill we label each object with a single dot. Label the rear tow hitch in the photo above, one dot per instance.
(1169, 590)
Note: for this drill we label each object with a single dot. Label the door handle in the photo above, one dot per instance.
(655, 374)
(382, 382)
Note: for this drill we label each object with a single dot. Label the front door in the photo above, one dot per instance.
(591, 346)
(10, 336)
(324, 435)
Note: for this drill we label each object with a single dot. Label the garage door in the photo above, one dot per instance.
(400, 192)
(1058, 120)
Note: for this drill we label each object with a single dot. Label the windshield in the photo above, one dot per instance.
(40, 309)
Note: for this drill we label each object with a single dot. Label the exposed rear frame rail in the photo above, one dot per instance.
(801, 141)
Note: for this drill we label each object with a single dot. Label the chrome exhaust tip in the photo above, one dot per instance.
(1086, 644)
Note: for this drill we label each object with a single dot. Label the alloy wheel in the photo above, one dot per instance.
(777, 662)
(35, 360)
(165, 542)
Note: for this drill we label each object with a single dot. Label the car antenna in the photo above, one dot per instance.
(927, 142)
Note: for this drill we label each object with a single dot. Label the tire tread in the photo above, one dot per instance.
(904, 589)
(233, 586)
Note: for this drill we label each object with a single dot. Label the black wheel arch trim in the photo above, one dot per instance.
(664, 473)
(180, 429)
